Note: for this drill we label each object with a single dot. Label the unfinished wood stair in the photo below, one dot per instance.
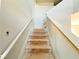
(38, 45)
(39, 42)
(39, 49)
(38, 36)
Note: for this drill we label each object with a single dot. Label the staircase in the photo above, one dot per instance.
(39, 47)
(39, 42)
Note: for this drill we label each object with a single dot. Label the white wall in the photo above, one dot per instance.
(14, 15)
(75, 18)
(75, 5)
(61, 46)
(61, 13)
(39, 15)
(75, 23)
(19, 50)
(0, 3)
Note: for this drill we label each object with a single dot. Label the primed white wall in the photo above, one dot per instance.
(14, 15)
(39, 15)
(61, 13)
(0, 3)
(75, 5)
(61, 46)
(19, 50)
(75, 18)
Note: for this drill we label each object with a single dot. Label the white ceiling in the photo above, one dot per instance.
(44, 1)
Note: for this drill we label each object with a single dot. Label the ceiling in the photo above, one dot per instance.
(44, 1)
(48, 2)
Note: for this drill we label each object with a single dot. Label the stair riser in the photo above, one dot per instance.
(37, 37)
(40, 51)
(38, 42)
(39, 32)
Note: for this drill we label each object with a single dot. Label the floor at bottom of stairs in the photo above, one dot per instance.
(40, 56)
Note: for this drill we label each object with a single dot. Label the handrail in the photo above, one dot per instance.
(14, 41)
(71, 37)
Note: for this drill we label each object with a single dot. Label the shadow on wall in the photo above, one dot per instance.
(57, 2)
(44, 1)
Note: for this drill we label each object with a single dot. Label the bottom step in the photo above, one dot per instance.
(39, 49)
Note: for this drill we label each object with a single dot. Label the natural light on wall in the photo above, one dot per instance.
(75, 18)
(75, 23)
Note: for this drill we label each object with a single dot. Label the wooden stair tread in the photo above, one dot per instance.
(38, 35)
(39, 29)
(39, 47)
(38, 40)
(41, 56)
